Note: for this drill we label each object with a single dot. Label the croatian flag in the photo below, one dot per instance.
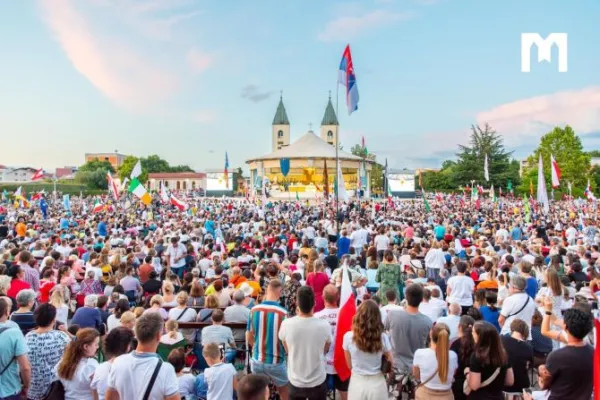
(344, 324)
(347, 78)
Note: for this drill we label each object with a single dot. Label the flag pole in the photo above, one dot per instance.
(337, 163)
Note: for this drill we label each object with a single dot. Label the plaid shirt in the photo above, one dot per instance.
(32, 276)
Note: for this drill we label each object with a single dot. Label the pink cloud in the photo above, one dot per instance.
(199, 61)
(346, 27)
(112, 63)
(537, 115)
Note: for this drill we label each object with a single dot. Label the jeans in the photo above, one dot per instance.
(179, 271)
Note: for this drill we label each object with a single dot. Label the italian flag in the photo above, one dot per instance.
(98, 206)
(178, 203)
(139, 191)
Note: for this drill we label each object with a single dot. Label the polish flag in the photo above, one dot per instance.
(112, 186)
(39, 174)
(178, 203)
(344, 324)
(555, 172)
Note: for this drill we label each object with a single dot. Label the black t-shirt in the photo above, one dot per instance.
(572, 373)
(493, 391)
(460, 371)
(3, 231)
(519, 354)
(332, 261)
(151, 286)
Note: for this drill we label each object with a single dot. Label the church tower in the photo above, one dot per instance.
(281, 127)
(329, 124)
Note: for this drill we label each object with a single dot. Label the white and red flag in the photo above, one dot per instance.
(39, 174)
(112, 186)
(555, 172)
(178, 203)
(344, 324)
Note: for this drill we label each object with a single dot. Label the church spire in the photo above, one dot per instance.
(281, 117)
(329, 118)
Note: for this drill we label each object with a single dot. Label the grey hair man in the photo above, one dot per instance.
(452, 319)
(519, 305)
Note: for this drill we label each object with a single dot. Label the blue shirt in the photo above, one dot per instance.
(516, 233)
(12, 344)
(439, 231)
(532, 287)
(491, 316)
(343, 246)
(102, 229)
(64, 224)
(88, 317)
(264, 322)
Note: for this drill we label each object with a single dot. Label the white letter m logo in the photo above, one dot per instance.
(544, 49)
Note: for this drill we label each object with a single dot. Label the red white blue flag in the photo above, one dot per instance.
(347, 78)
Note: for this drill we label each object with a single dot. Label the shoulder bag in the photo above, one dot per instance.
(152, 380)
(2, 330)
(182, 313)
(428, 379)
(55, 392)
(520, 309)
(467, 388)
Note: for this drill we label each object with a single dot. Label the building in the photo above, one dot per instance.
(65, 172)
(115, 159)
(523, 165)
(307, 157)
(9, 175)
(177, 180)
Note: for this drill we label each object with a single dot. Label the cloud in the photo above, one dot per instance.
(522, 120)
(199, 61)
(346, 27)
(102, 47)
(253, 93)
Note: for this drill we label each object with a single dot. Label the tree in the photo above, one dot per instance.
(96, 164)
(127, 166)
(181, 168)
(594, 153)
(567, 149)
(238, 180)
(154, 164)
(471, 159)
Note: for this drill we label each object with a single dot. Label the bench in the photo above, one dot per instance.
(200, 325)
(197, 308)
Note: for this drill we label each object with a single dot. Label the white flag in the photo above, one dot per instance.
(137, 170)
(341, 186)
(542, 194)
(485, 169)
(163, 193)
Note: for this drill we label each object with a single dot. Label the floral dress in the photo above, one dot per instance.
(389, 276)
(289, 296)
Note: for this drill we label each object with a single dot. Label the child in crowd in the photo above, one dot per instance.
(219, 381)
(173, 335)
(187, 381)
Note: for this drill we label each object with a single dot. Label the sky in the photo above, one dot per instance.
(192, 79)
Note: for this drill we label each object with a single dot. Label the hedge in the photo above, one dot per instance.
(63, 188)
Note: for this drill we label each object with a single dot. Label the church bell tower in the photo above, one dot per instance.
(281, 127)
(329, 124)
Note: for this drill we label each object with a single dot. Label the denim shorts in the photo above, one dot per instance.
(277, 372)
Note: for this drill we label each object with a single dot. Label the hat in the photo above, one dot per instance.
(246, 289)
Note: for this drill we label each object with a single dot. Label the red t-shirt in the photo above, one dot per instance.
(45, 288)
(16, 285)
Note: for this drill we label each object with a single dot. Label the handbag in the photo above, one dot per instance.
(56, 391)
(467, 388)
(428, 379)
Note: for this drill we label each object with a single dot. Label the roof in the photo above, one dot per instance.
(307, 146)
(177, 175)
(329, 118)
(281, 117)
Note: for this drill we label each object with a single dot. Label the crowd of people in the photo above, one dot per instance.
(240, 299)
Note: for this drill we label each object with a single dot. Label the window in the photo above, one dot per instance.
(178, 185)
(280, 134)
(329, 134)
(105, 158)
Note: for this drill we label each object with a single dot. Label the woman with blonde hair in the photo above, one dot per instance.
(77, 366)
(168, 294)
(435, 366)
(156, 304)
(57, 299)
(128, 320)
(173, 335)
(183, 313)
(364, 347)
(211, 304)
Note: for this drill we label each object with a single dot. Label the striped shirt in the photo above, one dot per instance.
(31, 276)
(264, 322)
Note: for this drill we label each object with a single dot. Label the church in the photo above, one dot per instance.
(312, 161)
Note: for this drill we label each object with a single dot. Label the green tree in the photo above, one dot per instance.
(376, 168)
(594, 153)
(128, 165)
(471, 159)
(96, 164)
(154, 164)
(181, 168)
(567, 149)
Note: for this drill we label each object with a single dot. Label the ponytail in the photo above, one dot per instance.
(440, 336)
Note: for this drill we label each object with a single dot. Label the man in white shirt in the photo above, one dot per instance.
(176, 256)
(359, 238)
(306, 338)
(460, 288)
(382, 242)
(130, 374)
(432, 309)
(519, 305)
(452, 320)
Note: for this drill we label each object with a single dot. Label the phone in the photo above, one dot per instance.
(222, 351)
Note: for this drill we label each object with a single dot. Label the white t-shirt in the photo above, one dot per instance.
(112, 322)
(427, 362)
(78, 388)
(187, 386)
(382, 242)
(100, 379)
(131, 373)
(511, 305)
(432, 309)
(452, 322)
(461, 290)
(305, 339)
(359, 238)
(174, 253)
(219, 379)
(330, 315)
(365, 363)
